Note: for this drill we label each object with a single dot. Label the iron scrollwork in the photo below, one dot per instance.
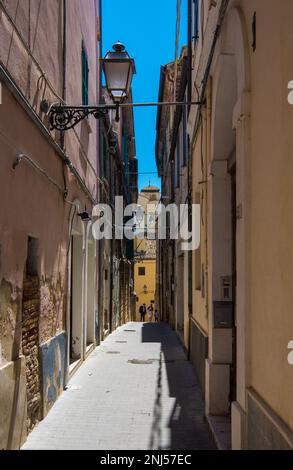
(63, 118)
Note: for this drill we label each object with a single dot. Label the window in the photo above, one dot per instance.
(168, 224)
(172, 180)
(195, 20)
(197, 270)
(141, 271)
(198, 277)
(178, 166)
(172, 288)
(185, 136)
(32, 256)
(85, 76)
(104, 157)
(125, 157)
(165, 150)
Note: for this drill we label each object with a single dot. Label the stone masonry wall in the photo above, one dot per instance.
(52, 308)
(30, 348)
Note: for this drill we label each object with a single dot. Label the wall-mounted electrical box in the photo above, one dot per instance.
(223, 314)
(226, 288)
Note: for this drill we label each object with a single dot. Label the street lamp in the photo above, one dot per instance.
(119, 69)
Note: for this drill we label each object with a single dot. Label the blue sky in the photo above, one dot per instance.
(147, 29)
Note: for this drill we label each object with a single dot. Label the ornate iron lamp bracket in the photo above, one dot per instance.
(63, 118)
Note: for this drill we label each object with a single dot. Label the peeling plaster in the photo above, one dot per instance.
(52, 298)
(10, 303)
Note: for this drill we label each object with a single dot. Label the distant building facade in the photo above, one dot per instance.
(145, 251)
(172, 160)
(117, 177)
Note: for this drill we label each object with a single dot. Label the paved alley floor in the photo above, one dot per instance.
(135, 391)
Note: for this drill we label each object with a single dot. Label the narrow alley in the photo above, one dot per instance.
(146, 255)
(136, 391)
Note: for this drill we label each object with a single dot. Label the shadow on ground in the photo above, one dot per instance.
(188, 427)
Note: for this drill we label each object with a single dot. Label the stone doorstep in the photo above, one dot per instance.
(220, 427)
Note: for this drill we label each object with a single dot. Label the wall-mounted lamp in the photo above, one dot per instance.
(119, 69)
(85, 217)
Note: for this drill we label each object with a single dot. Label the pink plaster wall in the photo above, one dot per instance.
(40, 25)
(30, 204)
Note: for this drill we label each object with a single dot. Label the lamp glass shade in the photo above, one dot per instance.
(118, 69)
(118, 95)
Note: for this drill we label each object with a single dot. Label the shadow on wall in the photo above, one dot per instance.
(187, 424)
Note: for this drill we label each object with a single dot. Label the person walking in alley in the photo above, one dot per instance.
(150, 312)
(142, 311)
(157, 316)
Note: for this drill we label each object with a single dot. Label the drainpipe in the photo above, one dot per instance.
(112, 246)
(84, 291)
(99, 314)
(111, 285)
(100, 51)
(189, 42)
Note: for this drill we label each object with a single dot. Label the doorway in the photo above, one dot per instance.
(90, 314)
(75, 328)
(180, 298)
(233, 371)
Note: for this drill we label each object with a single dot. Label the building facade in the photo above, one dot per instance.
(55, 302)
(145, 250)
(117, 178)
(240, 144)
(172, 162)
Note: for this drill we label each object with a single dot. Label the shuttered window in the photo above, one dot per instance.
(195, 20)
(85, 76)
(185, 136)
(178, 158)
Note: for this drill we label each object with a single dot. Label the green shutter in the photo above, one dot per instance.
(85, 76)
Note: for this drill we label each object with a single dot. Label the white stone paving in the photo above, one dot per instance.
(114, 404)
